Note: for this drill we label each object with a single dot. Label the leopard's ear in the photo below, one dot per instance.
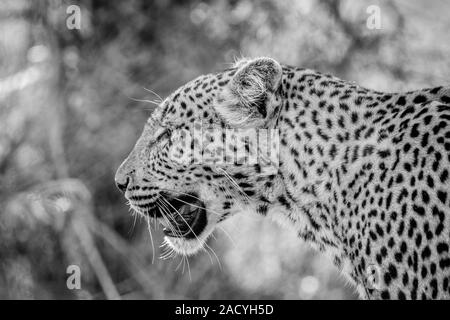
(251, 98)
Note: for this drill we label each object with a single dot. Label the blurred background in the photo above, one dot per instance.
(69, 114)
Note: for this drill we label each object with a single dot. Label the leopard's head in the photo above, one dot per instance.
(204, 153)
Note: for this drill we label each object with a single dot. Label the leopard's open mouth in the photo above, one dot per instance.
(183, 216)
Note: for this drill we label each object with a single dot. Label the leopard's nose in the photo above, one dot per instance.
(123, 185)
(122, 178)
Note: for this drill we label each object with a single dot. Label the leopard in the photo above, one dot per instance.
(361, 175)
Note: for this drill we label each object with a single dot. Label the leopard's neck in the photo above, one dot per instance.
(328, 128)
(330, 133)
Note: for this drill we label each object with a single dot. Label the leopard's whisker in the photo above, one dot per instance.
(234, 183)
(195, 206)
(151, 239)
(144, 100)
(157, 95)
(167, 217)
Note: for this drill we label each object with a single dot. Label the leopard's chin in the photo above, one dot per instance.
(186, 246)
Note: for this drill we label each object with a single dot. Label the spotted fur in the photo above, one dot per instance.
(363, 175)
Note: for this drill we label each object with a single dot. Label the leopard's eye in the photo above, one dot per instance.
(164, 135)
